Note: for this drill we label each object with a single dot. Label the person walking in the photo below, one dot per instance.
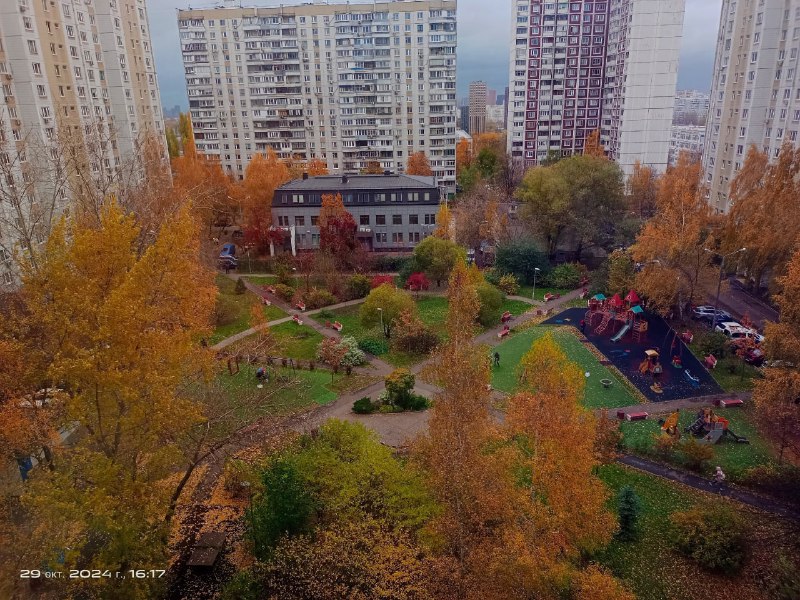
(496, 359)
(583, 326)
(719, 476)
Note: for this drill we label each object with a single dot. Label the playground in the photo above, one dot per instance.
(641, 346)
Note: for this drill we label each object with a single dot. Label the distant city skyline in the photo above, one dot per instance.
(483, 42)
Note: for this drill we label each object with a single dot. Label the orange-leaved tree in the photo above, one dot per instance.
(641, 191)
(463, 155)
(671, 246)
(317, 167)
(777, 395)
(263, 176)
(592, 146)
(373, 168)
(418, 164)
(443, 221)
(765, 213)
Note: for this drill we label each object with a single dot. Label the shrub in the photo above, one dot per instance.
(240, 288)
(319, 298)
(786, 584)
(508, 284)
(567, 276)
(712, 342)
(412, 335)
(664, 445)
(491, 299)
(418, 402)
(284, 292)
(379, 280)
(630, 507)
(493, 276)
(782, 481)
(418, 282)
(391, 262)
(326, 315)
(715, 538)
(225, 312)
(374, 346)
(409, 267)
(695, 454)
(240, 478)
(364, 406)
(521, 258)
(358, 286)
(399, 385)
(242, 586)
(355, 356)
(283, 273)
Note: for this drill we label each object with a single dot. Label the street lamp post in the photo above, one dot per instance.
(380, 312)
(719, 281)
(535, 271)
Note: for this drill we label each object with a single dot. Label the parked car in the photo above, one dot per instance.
(227, 250)
(706, 314)
(734, 331)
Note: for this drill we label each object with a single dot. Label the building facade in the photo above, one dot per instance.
(577, 67)
(77, 72)
(349, 83)
(754, 96)
(393, 212)
(687, 138)
(477, 107)
(691, 107)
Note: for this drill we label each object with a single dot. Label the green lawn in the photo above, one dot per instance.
(236, 310)
(511, 351)
(734, 458)
(527, 290)
(648, 566)
(296, 341)
(245, 402)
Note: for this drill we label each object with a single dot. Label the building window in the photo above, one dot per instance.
(299, 221)
(413, 237)
(380, 238)
(315, 220)
(413, 219)
(283, 221)
(363, 220)
(430, 219)
(298, 199)
(397, 219)
(380, 219)
(397, 237)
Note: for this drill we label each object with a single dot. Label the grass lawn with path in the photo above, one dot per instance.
(237, 308)
(735, 459)
(654, 571)
(511, 351)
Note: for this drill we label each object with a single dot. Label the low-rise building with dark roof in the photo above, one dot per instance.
(393, 212)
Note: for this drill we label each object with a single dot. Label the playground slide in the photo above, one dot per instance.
(621, 333)
(737, 438)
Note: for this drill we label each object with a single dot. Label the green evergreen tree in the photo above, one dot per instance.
(630, 507)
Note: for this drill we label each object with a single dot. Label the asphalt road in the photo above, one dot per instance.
(739, 303)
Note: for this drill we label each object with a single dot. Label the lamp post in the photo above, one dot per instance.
(535, 271)
(719, 281)
(380, 312)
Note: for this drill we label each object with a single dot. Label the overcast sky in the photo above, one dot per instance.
(484, 31)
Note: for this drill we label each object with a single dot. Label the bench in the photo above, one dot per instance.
(687, 337)
(710, 361)
(297, 319)
(504, 333)
(730, 403)
(207, 549)
(506, 317)
(265, 301)
(337, 326)
(269, 288)
(301, 306)
(637, 416)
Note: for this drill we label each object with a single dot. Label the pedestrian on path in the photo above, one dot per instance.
(583, 326)
(496, 359)
(719, 476)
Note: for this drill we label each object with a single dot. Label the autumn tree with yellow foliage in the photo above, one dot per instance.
(463, 155)
(262, 177)
(765, 213)
(118, 330)
(592, 145)
(418, 164)
(777, 395)
(671, 246)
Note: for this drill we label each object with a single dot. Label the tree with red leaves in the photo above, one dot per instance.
(379, 280)
(337, 229)
(417, 282)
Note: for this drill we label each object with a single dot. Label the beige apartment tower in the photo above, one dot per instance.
(73, 72)
(755, 95)
(477, 107)
(349, 83)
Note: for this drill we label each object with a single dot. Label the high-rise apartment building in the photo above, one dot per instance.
(77, 72)
(577, 67)
(754, 94)
(687, 138)
(491, 97)
(691, 107)
(347, 83)
(477, 107)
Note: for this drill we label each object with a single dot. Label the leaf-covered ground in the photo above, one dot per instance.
(654, 571)
(505, 377)
(238, 307)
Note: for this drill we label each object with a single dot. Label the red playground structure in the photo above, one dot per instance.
(610, 312)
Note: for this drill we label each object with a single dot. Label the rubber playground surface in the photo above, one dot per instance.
(626, 355)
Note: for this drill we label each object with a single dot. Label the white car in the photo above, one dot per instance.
(736, 331)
